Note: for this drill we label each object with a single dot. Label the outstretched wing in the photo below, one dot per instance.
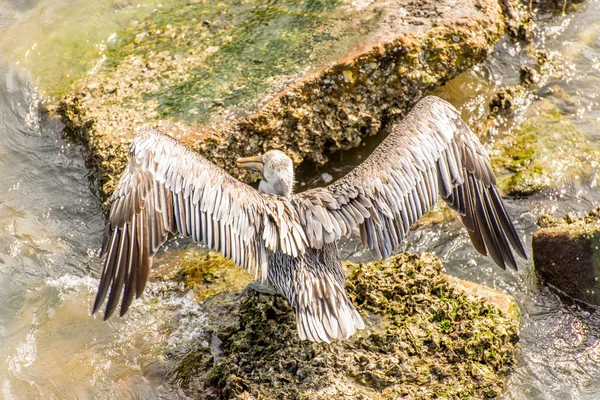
(168, 188)
(431, 150)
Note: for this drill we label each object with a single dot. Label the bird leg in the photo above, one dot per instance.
(258, 287)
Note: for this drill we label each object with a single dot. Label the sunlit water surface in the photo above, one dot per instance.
(50, 229)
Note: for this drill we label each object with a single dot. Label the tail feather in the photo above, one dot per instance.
(314, 284)
(332, 316)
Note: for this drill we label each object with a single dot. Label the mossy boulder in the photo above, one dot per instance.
(207, 274)
(546, 150)
(237, 78)
(425, 338)
(566, 255)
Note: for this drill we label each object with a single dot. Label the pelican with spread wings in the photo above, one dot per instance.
(288, 240)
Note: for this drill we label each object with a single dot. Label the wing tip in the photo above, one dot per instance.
(107, 314)
(97, 305)
(490, 229)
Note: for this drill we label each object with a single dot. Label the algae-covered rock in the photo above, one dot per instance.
(425, 338)
(235, 78)
(546, 150)
(566, 255)
(207, 274)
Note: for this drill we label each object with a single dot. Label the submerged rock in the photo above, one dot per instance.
(566, 255)
(425, 338)
(546, 151)
(236, 78)
(538, 143)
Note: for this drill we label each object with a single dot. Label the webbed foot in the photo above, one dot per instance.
(258, 287)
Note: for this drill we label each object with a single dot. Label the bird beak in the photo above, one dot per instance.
(251, 163)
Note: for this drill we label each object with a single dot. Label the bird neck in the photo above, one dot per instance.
(281, 184)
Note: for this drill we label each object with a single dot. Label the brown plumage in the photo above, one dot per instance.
(288, 240)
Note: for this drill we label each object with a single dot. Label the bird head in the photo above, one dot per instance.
(276, 170)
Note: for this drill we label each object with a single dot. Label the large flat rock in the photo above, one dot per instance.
(238, 78)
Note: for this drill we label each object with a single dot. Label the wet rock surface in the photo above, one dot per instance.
(374, 63)
(566, 255)
(546, 150)
(537, 145)
(425, 338)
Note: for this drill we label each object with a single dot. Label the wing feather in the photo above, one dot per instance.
(430, 151)
(167, 188)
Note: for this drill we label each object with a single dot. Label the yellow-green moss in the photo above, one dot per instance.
(425, 339)
(519, 158)
(147, 83)
(543, 151)
(207, 274)
(241, 47)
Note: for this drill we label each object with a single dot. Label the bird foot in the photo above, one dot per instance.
(258, 287)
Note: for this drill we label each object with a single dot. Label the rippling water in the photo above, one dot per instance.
(50, 228)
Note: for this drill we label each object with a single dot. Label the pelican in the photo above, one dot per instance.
(288, 240)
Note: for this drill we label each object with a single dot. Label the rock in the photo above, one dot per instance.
(546, 151)
(505, 303)
(519, 20)
(566, 255)
(558, 5)
(330, 77)
(426, 338)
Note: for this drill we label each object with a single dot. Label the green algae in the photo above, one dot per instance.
(334, 107)
(545, 151)
(236, 51)
(520, 159)
(425, 339)
(208, 274)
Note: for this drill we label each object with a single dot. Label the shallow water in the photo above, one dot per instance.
(50, 228)
(51, 225)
